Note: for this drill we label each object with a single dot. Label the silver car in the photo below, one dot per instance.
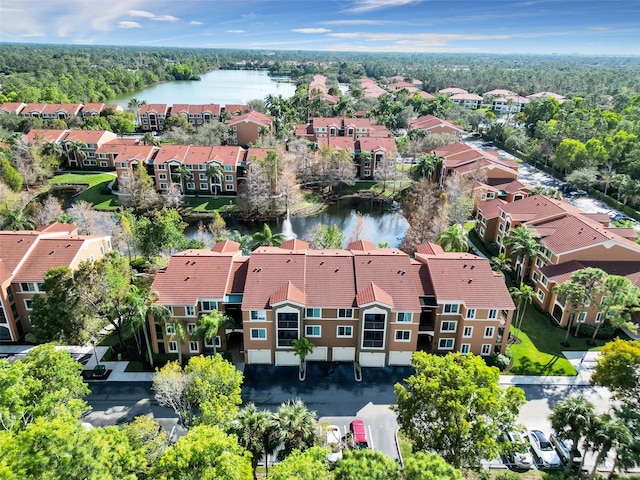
(564, 450)
(518, 451)
(544, 452)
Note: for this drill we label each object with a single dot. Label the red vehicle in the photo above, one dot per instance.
(359, 432)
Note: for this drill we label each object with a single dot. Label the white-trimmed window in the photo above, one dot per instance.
(486, 349)
(313, 313)
(586, 302)
(446, 344)
(471, 313)
(189, 311)
(204, 186)
(448, 326)
(161, 166)
(467, 332)
(191, 328)
(493, 314)
(228, 168)
(229, 188)
(373, 329)
(451, 308)
(228, 178)
(539, 262)
(258, 333)
(28, 304)
(345, 313)
(603, 300)
(28, 287)
(312, 331)
(500, 227)
(599, 317)
(465, 348)
(173, 346)
(403, 335)
(404, 317)
(535, 276)
(208, 305)
(488, 332)
(214, 342)
(544, 280)
(191, 186)
(498, 240)
(287, 327)
(163, 186)
(170, 329)
(194, 347)
(258, 314)
(344, 331)
(202, 176)
(540, 295)
(582, 316)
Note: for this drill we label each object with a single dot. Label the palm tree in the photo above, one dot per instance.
(134, 105)
(75, 150)
(521, 243)
(215, 174)
(245, 241)
(453, 239)
(54, 149)
(16, 219)
(591, 279)
(302, 347)
(149, 139)
(182, 174)
(425, 166)
(178, 335)
(574, 296)
(258, 432)
(267, 238)
(209, 324)
(501, 264)
(572, 419)
(607, 433)
(618, 293)
(263, 131)
(522, 297)
(298, 426)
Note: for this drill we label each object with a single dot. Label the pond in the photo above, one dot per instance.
(379, 223)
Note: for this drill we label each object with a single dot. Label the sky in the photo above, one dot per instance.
(427, 26)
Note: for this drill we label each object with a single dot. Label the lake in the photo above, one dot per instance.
(222, 87)
(378, 222)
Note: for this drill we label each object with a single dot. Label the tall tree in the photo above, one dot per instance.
(618, 369)
(430, 466)
(522, 297)
(182, 174)
(308, 465)
(75, 150)
(324, 236)
(592, 280)
(298, 425)
(618, 296)
(520, 242)
(572, 418)
(267, 238)
(367, 464)
(572, 295)
(215, 174)
(16, 219)
(454, 406)
(453, 239)
(209, 324)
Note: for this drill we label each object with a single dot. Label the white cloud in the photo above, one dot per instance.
(419, 38)
(152, 16)
(354, 22)
(129, 25)
(369, 5)
(193, 22)
(311, 30)
(234, 31)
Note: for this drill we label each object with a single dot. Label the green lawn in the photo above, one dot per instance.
(540, 350)
(209, 204)
(96, 184)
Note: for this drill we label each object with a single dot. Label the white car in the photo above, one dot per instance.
(333, 441)
(564, 450)
(544, 452)
(518, 451)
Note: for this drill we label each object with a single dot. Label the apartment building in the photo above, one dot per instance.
(248, 128)
(434, 125)
(151, 117)
(363, 303)
(25, 256)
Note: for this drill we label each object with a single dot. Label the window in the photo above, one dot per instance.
(194, 347)
(208, 305)
(124, 164)
(28, 304)
(214, 342)
(313, 313)
(170, 329)
(312, 331)
(162, 166)
(191, 186)
(344, 331)
(403, 335)
(228, 178)
(488, 332)
(373, 333)
(103, 164)
(493, 314)
(258, 315)
(202, 176)
(599, 317)
(190, 311)
(586, 302)
(582, 316)
(204, 186)
(28, 287)
(500, 227)
(471, 313)
(446, 344)
(498, 240)
(490, 195)
(486, 349)
(451, 308)
(258, 333)
(535, 276)
(367, 173)
(173, 346)
(448, 326)
(544, 280)
(163, 186)
(604, 300)
(468, 332)
(404, 317)
(228, 168)
(287, 328)
(465, 348)
(191, 328)
(345, 313)
(229, 188)
(540, 294)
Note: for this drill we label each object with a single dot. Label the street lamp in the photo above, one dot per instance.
(93, 344)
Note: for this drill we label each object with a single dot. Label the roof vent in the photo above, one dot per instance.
(336, 270)
(469, 281)
(188, 277)
(472, 267)
(67, 245)
(322, 263)
(52, 252)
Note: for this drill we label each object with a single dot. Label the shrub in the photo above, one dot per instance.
(501, 361)
(507, 476)
(606, 332)
(10, 175)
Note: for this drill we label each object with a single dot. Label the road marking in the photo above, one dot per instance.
(370, 437)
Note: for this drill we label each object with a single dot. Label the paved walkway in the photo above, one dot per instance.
(583, 362)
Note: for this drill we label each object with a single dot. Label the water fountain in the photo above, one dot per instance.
(287, 229)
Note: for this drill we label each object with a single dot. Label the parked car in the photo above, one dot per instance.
(563, 447)
(359, 433)
(333, 440)
(518, 451)
(544, 452)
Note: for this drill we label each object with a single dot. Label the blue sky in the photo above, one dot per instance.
(480, 26)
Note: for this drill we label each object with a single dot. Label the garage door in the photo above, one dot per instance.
(400, 358)
(372, 359)
(286, 358)
(343, 354)
(318, 354)
(259, 356)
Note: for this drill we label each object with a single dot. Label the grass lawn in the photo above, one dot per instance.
(96, 184)
(209, 204)
(540, 352)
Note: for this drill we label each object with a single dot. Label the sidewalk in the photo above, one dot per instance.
(583, 362)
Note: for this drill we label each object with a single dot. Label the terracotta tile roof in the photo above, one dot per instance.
(236, 109)
(508, 185)
(48, 253)
(362, 245)
(66, 108)
(628, 233)
(368, 144)
(562, 272)
(452, 91)
(329, 279)
(12, 107)
(44, 134)
(5, 273)
(15, 245)
(141, 153)
(92, 108)
(326, 122)
(346, 143)
(157, 108)
(168, 153)
(194, 274)
(253, 117)
(379, 131)
(500, 92)
(226, 246)
(373, 294)
(288, 293)
(58, 227)
(178, 108)
(425, 95)
(295, 244)
(33, 108)
(259, 153)
(89, 136)
(534, 207)
(238, 275)
(429, 249)
(601, 218)
(491, 208)
(424, 286)
(468, 279)
(303, 130)
(427, 122)
(513, 98)
(466, 96)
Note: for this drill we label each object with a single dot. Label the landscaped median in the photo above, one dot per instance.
(96, 191)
